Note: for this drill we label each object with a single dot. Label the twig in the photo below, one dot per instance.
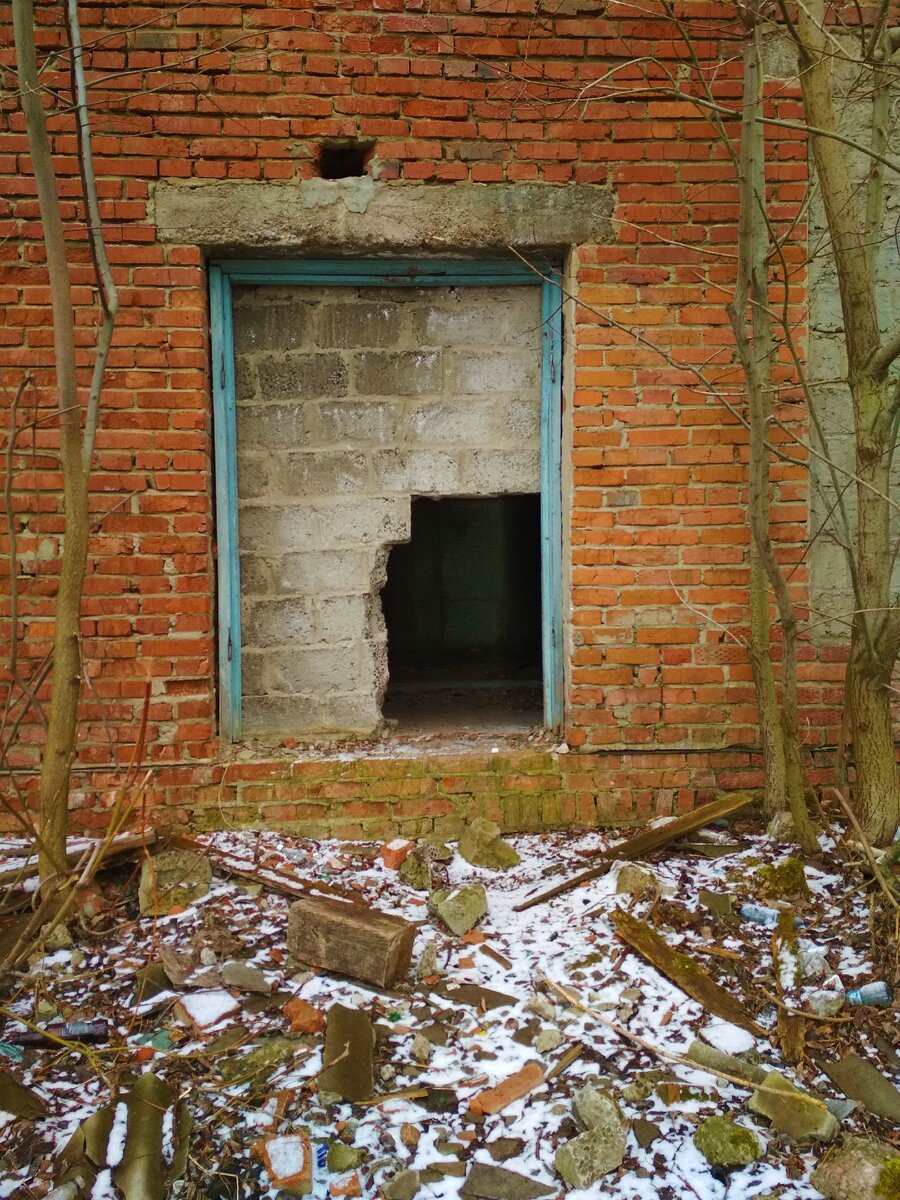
(867, 850)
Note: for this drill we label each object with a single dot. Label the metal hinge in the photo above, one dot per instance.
(230, 646)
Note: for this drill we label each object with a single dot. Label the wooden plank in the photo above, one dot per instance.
(682, 971)
(645, 843)
(551, 499)
(350, 940)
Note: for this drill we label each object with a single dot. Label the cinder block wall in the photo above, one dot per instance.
(349, 402)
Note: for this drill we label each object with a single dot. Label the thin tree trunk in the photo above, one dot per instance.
(779, 730)
(66, 687)
(874, 641)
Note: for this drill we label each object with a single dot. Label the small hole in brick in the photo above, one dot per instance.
(344, 160)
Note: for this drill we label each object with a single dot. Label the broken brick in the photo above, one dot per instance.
(495, 1099)
(394, 854)
(303, 1016)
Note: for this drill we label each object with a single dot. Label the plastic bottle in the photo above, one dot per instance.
(878, 995)
(762, 915)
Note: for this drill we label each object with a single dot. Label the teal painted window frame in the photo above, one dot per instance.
(224, 274)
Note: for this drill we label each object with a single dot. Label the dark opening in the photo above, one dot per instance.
(462, 605)
(344, 160)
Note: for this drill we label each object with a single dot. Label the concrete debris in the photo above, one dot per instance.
(724, 1143)
(172, 878)
(591, 1155)
(792, 1111)
(858, 1079)
(416, 871)
(729, 1064)
(245, 978)
(481, 845)
(633, 880)
(348, 1054)
(460, 908)
(402, 1186)
(860, 1169)
(257, 1065)
(488, 1182)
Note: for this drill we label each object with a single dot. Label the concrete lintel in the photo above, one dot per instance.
(360, 215)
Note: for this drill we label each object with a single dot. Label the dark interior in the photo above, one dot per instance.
(343, 160)
(462, 605)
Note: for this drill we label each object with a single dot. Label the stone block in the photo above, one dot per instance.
(343, 618)
(270, 426)
(468, 421)
(489, 371)
(357, 712)
(523, 416)
(278, 528)
(281, 714)
(503, 317)
(359, 422)
(321, 472)
(354, 323)
(275, 622)
(253, 476)
(268, 326)
(311, 668)
(378, 519)
(502, 472)
(401, 373)
(301, 376)
(324, 573)
(423, 472)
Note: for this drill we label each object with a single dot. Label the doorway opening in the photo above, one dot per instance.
(462, 607)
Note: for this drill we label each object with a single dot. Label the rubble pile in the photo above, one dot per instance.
(249, 1014)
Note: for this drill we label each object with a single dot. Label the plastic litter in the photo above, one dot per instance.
(878, 995)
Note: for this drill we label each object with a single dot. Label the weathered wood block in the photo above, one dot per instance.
(350, 940)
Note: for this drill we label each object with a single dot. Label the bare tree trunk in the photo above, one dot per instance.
(779, 730)
(66, 688)
(875, 637)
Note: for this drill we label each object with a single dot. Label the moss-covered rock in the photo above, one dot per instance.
(724, 1143)
(862, 1169)
(783, 880)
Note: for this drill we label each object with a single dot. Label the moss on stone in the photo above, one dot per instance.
(889, 1180)
(724, 1143)
(784, 879)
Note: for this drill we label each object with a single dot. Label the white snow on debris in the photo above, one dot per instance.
(570, 940)
(287, 1156)
(207, 1009)
(728, 1038)
(115, 1147)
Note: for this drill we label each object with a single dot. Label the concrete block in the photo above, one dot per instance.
(282, 714)
(502, 472)
(354, 323)
(301, 376)
(277, 622)
(354, 712)
(323, 573)
(423, 472)
(504, 317)
(312, 668)
(399, 373)
(321, 472)
(523, 416)
(253, 476)
(489, 371)
(467, 421)
(268, 527)
(270, 426)
(342, 618)
(246, 383)
(359, 422)
(377, 519)
(256, 575)
(260, 324)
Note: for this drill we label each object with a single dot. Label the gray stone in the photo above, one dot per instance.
(729, 1064)
(781, 828)
(548, 1040)
(633, 880)
(487, 1182)
(402, 1186)
(854, 1171)
(460, 908)
(246, 978)
(792, 1111)
(421, 1048)
(482, 846)
(595, 1108)
(724, 1143)
(415, 871)
(347, 1055)
(427, 964)
(590, 1156)
(502, 1148)
(170, 878)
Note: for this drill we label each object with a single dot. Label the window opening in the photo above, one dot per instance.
(462, 607)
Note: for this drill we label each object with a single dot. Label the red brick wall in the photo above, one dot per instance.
(449, 90)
